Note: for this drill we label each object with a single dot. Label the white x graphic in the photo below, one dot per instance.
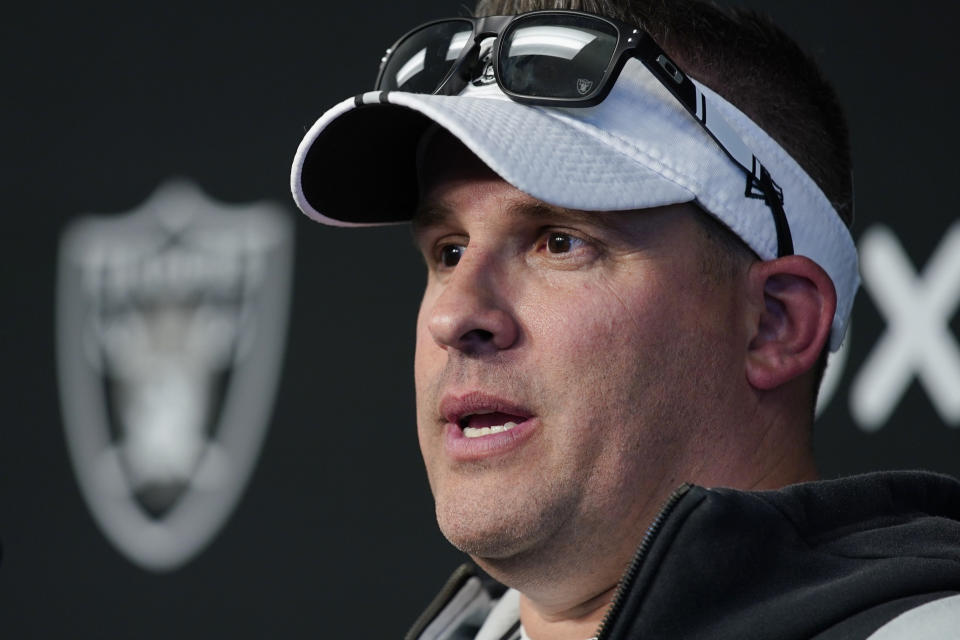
(918, 339)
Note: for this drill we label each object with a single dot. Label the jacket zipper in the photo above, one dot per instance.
(630, 575)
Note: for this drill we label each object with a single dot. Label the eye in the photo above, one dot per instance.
(567, 249)
(559, 242)
(450, 255)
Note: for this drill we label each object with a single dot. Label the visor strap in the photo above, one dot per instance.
(764, 188)
(773, 197)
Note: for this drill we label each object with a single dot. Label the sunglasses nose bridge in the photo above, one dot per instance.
(468, 61)
(459, 74)
(483, 34)
(491, 26)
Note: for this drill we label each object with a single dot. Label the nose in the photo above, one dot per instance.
(472, 313)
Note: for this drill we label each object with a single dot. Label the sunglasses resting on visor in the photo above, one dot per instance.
(562, 59)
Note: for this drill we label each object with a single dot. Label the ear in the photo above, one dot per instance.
(794, 301)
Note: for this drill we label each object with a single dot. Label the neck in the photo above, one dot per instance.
(763, 444)
(781, 454)
(577, 622)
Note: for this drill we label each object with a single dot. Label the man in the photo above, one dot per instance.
(632, 284)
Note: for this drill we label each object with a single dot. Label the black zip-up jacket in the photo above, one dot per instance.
(827, 560)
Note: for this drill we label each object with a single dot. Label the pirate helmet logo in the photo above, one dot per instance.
(171, 321)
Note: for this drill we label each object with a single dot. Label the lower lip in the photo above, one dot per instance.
(464, 449)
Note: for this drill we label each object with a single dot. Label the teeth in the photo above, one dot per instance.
(471, 432)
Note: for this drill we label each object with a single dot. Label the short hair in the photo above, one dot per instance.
(752, 63)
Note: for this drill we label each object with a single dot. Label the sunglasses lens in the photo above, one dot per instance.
(422, 59)
(555, 56)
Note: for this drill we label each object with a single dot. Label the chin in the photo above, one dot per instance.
(481, 537)
(498, 531)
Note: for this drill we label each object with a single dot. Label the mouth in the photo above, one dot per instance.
(477, 425)
(478, 414)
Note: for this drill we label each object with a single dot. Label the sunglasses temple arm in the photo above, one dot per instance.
(687, 94)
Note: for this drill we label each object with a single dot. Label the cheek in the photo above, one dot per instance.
(428, 362)
(426, 349)
(593, 347)
(603, 319)
(621, 349)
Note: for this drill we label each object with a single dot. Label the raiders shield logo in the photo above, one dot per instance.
(584, 85)
(171, 322)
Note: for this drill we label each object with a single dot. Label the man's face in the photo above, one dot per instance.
(566, 362)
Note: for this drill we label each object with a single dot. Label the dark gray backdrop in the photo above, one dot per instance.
(335, 533)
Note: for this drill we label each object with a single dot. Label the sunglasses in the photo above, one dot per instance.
(561, 59)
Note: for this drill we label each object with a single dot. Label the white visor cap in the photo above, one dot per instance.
(638, 148)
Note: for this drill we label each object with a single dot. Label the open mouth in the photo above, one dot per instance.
(479, 415)
(477, 425)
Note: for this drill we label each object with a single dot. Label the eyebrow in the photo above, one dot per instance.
(433, 214)
(428, 215)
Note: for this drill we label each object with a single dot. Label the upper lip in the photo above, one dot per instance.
(456, 407)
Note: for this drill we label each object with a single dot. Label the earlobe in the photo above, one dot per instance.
(794, 302)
